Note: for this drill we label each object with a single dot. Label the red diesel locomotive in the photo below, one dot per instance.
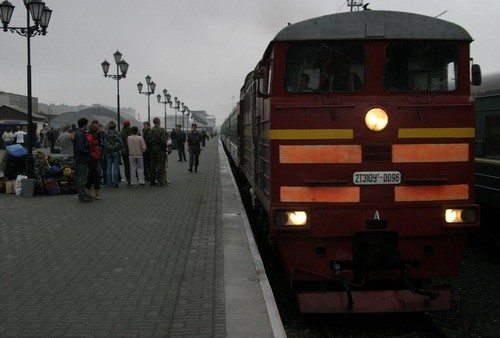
(356, 133)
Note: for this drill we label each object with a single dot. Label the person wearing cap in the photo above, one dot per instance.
(194, 139)
(125, 133)
(181, 143)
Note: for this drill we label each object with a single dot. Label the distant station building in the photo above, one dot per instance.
(21, 101)
(204, 120)
(60, 115)
(99, 113)
(14, 112)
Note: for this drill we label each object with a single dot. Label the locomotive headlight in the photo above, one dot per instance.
(376, 119)
(291, 218)
(460, 215)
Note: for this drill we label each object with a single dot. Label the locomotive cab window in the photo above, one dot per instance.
(325, 67)
(421, 66)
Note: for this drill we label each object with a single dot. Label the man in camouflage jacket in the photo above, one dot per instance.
(158, 152)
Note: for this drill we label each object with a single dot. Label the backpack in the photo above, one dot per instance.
(113, 142)
(52, 187)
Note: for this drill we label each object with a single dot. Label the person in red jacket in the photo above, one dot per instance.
(94, 178)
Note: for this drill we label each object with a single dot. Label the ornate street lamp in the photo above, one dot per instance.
(182, 109)
(185, 113)
(165, 102)
(41, 17)
(176, 107)
(151, 90)
(121, 66)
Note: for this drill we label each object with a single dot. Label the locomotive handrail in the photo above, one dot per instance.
(435, 105)
(425, 181)
(335, 183)
(487, 160)
(486, 176)
(486, 187)
(315, 106)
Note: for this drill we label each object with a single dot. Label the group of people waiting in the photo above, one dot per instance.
(98, 152)
(16, 136)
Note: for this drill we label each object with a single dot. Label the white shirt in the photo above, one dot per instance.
(7, 136)
(19, 135)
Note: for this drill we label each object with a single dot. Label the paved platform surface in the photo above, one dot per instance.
(174, 261)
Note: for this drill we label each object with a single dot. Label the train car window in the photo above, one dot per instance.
(421, 66)
(492, 141)
(264, 75)
(325, 68)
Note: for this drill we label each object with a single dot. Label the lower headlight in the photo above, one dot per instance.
(460, 215)
(291, 218)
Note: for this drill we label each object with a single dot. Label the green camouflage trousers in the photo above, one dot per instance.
(157, 166)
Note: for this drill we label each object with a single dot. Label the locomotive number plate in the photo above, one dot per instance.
(376, 177)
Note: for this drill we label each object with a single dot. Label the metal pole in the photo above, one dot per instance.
(30, 162)
(165, 104)
(118, 95)
(149, 113)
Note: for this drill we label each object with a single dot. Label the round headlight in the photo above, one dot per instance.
(376, 119)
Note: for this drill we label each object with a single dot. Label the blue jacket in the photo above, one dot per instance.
(82, 150)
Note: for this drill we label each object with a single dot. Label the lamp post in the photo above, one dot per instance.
(182, 110)
(41, 17)
(151, 90)
(187, 119)
(165, 102)
(176, 107)
(121, 66)
(185, 114)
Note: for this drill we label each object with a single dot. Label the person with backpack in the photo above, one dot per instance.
(113, 145)
(82, 159)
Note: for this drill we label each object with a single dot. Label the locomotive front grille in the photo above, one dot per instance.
(375, 251)
(376, 153)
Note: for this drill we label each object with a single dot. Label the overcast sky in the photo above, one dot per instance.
(199, 50)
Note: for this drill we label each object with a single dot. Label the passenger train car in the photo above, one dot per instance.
(488, 141)
(356, 133)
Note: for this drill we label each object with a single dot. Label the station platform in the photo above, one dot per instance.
(173, 261)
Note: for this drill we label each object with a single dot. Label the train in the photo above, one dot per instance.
(355, 132)
(487, 98)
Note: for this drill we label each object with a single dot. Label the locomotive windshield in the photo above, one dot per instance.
(421, 66)
(325, 68)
